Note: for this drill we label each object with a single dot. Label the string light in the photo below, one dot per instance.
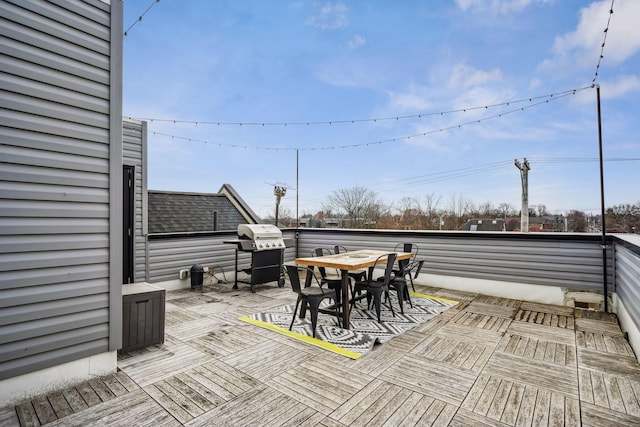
(557, 96)
(604, 41)
(153, 3)
(353, 121)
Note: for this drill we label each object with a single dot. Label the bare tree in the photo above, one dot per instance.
(487, 210)
(410, 213)
(285, 218)
(507, 209)
(624, 218)
(577, 221)
(360, 206)
(542, 210)
(459, 208)
(432, 215)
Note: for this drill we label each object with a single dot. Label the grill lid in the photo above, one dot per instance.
(264, 236)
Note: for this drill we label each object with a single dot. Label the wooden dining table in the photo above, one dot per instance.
(345, 262)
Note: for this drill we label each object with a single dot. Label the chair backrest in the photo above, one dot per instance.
(418, 268)
(407, 247)
(321, 252)
(294, 277)
(391, 259)
(339, 249)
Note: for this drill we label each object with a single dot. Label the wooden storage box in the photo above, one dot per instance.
(142, 316)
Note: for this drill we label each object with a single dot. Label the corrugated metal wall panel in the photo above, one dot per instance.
(55, 166)
(628, 281)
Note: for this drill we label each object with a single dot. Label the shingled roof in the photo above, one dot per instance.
(484, 225)
(175, 212)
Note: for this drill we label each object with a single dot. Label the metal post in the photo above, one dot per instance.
(279, 192)
(603, 242)
(524, 213)
(297, 188)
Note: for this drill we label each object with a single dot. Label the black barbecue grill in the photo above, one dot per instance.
(266, 245)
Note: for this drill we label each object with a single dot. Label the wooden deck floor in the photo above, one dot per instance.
(487, 361)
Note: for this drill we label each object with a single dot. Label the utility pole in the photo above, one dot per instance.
(524, 175)
(279, 192)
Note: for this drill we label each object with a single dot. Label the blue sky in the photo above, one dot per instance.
(421, 69)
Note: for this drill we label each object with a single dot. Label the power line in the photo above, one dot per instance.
(488, 167)
(153, 3)
(604, 41)
(397, 139)
(368, 120)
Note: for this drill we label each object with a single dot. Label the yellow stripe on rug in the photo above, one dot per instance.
(314, 341)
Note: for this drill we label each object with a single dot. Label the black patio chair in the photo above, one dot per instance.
(399, 282)
(413, 271)
(334, 283)
(374, 288)
(402, 270)
(312, 295)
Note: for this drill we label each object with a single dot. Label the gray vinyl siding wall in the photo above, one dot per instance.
(134, 153)
(628, 279)
(168, 254)
(551, 259)
(61, 84)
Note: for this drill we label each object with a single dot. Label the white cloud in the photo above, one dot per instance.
(499, 7)
(357, 41)
(463, 76)
(329, 17)
(582, 47)
(620, 86)
(416, 98)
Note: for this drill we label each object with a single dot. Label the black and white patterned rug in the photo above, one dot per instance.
(364, 332)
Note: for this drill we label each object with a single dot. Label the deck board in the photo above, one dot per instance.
(486, 361)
